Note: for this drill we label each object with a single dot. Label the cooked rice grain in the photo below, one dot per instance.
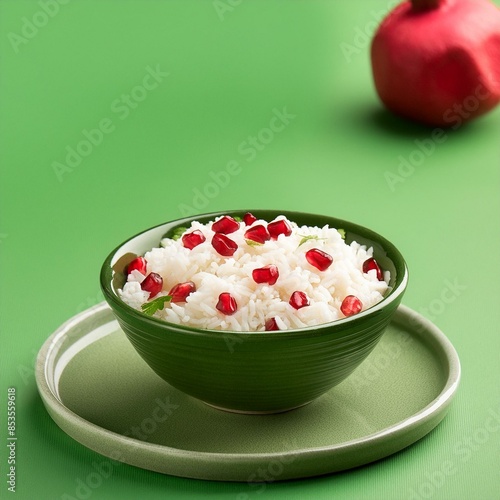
(213, 274)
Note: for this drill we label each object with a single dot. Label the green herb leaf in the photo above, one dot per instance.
(309, 237)
(178, 232)
(157, 304)
(342, 233)
(253, 243)
(237, 218)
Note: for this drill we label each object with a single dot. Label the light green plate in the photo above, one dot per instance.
(100, 392)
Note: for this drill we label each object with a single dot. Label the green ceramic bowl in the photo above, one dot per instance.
(255, 372)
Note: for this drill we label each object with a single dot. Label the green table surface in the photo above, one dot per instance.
(177, 98)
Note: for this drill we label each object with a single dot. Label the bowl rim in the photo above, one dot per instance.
(107, 272)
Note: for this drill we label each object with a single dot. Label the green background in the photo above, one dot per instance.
(229, 70)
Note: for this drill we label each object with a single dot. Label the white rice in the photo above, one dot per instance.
(213, 274)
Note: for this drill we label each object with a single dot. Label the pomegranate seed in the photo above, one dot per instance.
(299, 300)
(193, 239)
(257, 233)
(351, 305)
(153, 284)
(271, 325)
(249, 218)
(225, 225)
(180, 291)
(268, 274)
(224, 245)
(279, 227)
(226, 304)
(370, 264)
(319, 259)
(138, 264)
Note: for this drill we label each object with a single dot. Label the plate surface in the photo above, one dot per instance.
(101, 393)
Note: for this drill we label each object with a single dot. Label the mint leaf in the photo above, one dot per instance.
(253, 243)
(237, 218)
(309, 237)
(342, 233)
(178, 232)
(157, 304)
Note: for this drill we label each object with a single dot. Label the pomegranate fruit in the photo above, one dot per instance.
(193, 239)
(223, 245)
(319, 259)
(271, 325)
(351, 305)
(225, 225)
(249, 218)
(226, 304)
(258, 233)
(268, 274)
(138, 264)
(180, 291)
(370, 264)
(153, 284)
(298, 300)
(279, 227)
(438, 61)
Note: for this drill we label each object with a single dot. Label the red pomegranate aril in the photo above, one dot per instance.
(271, 325)
(298, 300)
(193, 239)
(180, 291)
(138, 264)
(257, 233)
(279, 227)
(225, 225)
(249, 218)
(319, 259)
(223, 245)
(370, 264)
(226, 304)
(153, 284)
(351, 305)
(267, 274)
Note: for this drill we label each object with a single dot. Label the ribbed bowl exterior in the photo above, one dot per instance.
(255, 371)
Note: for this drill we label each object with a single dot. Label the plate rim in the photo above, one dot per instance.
(426, 419)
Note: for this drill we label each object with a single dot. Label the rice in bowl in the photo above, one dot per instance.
(224, 267)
